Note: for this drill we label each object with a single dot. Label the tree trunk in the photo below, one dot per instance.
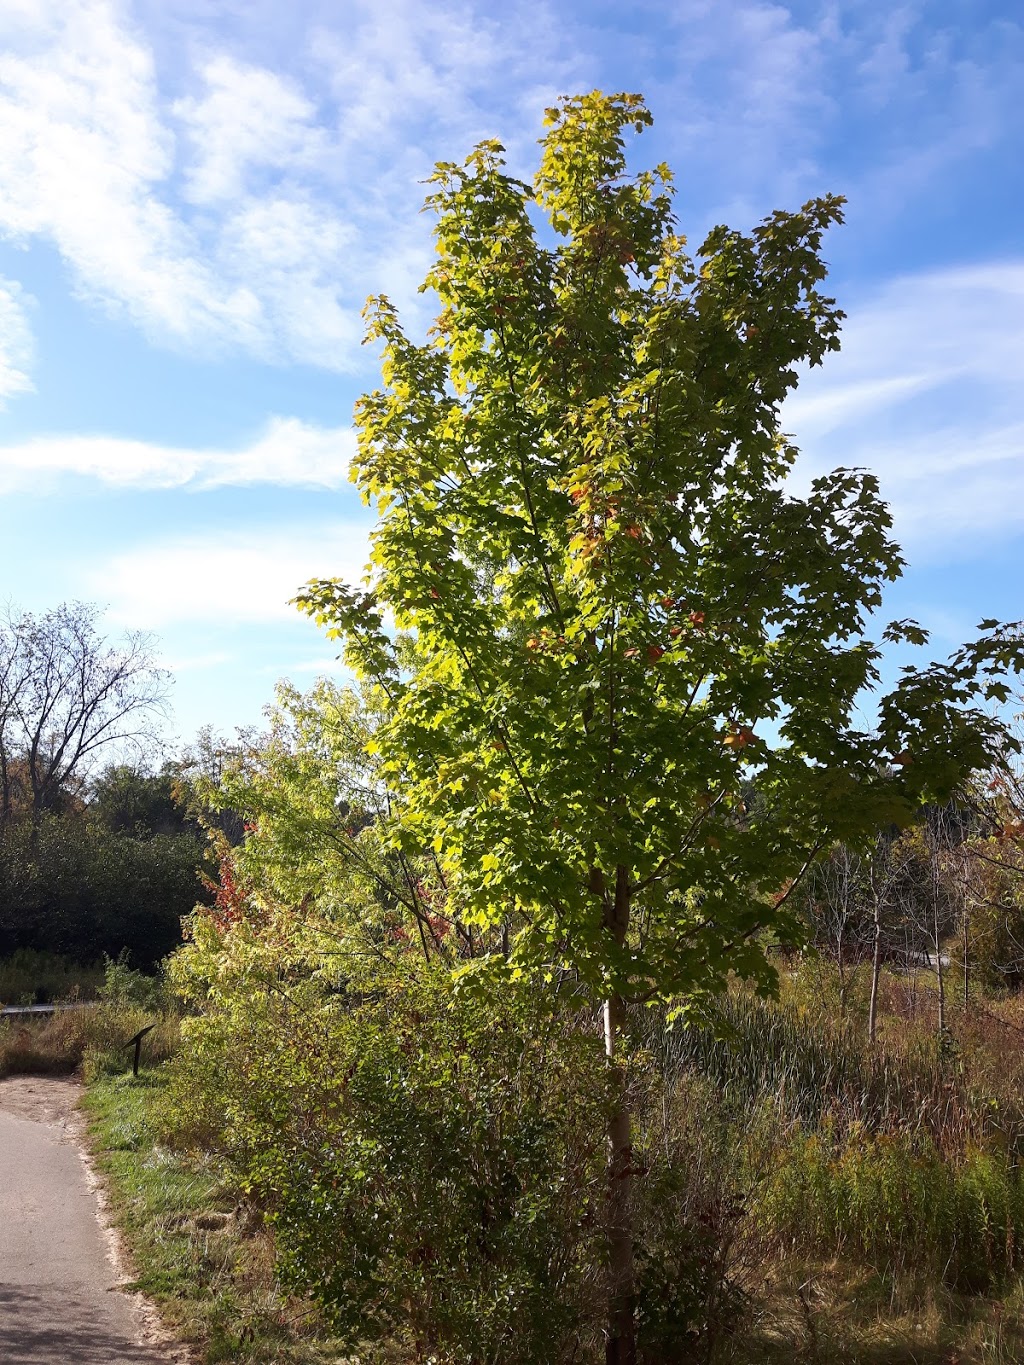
(940, 979)
(876, 971)
(967, 960)
(843, 984)
(621, 1344)
(620, 1347)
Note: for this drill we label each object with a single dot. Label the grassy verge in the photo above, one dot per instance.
(197, 1251)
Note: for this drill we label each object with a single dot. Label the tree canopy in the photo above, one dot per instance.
(612, 610)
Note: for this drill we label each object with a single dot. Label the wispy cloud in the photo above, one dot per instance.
(926, 392)
(288, 452)
(16, 344)
(245, 120)
(249, 211)
(225, 579)
(767, 102)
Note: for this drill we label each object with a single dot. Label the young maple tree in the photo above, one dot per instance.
(614, 614)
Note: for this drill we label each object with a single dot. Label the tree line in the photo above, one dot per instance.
(97, 854)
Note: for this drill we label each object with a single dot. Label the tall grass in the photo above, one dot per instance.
(91, 1039)
(903, 1157)
(757, 1051)
(894, 1202)
(27, 976)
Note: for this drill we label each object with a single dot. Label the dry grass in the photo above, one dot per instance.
(820, 1313)
(91, 1038)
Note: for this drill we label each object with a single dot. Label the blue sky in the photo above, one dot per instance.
(197, 195)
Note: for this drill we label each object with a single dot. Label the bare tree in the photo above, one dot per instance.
(66, 695)
(932, 899)
(836, 900)
(886, 867)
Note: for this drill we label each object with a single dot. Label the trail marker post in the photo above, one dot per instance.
(137, 1041)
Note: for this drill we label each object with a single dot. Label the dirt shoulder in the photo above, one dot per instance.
(42, 1099)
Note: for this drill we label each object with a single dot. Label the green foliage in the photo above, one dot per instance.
(429, 1168)
(432, 1161)
(71, 886)
(196, 1249)
(128, 800)
(125, 987)
(316, 817)
(615, 611)
(690, 1215)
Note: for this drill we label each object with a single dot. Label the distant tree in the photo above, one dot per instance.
(932, 894)
(837, 905)
(128, 800)
(200, 772)
(886, 869)
(68, 885)
(66, 696)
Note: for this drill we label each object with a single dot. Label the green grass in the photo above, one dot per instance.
(198, 1251)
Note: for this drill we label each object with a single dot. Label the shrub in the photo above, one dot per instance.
(432, 1165)
(126, 988)
(431, 1169)
(689, 1216)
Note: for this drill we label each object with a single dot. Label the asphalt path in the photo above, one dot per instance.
(62, 1295)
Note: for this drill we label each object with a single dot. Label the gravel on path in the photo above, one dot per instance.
(63, 1299)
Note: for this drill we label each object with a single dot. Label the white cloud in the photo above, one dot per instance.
(16, 344)
(926, 393)
(247, 119)
(920, 333)
(226, 579)
(88, 156)
(289, 452)
(82, 152)
(250, 212)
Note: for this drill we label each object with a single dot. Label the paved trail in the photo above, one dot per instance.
(60, 1301)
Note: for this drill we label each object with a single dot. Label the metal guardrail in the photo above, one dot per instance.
(44, 1009)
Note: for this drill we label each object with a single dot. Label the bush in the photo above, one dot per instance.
(431, 1170)
(126, 988)
(689, 1217)
(433, 1167)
